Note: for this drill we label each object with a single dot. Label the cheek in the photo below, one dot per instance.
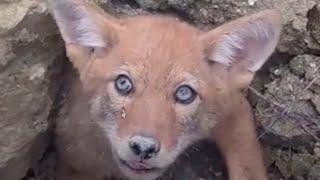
(188, 121)
(185, 113)
(116, 100)
(189, 126)
(106, 106)
(208, 118)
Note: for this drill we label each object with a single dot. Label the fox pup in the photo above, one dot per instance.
(152, 85)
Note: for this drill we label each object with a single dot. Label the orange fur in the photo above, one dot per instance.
(159, 54)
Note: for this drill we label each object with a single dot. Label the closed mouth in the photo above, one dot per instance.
(138, 167)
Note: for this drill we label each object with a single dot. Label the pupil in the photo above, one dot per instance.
(123, 85)
(123, 82)
(184, 93)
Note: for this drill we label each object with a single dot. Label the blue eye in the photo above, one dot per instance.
(185, 94)
(123, 85)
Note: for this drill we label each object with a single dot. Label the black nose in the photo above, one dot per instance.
(144, 146)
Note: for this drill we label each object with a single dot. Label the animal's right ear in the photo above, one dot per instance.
(84, 28)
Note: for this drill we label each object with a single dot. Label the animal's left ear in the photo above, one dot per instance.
(243, 45)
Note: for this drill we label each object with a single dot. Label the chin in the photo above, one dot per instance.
(139, 174)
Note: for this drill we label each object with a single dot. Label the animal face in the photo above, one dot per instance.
(154, 81)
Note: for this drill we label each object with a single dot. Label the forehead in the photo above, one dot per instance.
(160, 47)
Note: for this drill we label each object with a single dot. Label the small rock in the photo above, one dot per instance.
(314, 22)
(252, 2)
(314, 173)
(306, 65)
(37, 72)
(298, 64)
(204, 12)
(282, 162)
(150, 4)
(301, 164)
(277, 72)
(12, 13)
(316, 149)
(6, 53)
(316, 102)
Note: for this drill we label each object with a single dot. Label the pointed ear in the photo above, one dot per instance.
(84, 25)
(243, 45)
